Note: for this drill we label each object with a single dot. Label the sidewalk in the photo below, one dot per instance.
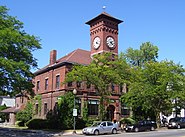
(53, 133)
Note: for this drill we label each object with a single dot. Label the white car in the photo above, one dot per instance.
(103, 127)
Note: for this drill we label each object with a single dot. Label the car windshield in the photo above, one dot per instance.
(96, 124)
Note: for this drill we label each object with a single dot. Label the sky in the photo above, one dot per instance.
(60, 24)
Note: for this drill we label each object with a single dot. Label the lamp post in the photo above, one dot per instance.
(74, 111)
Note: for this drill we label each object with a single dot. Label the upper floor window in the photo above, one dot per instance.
(57, 81)
(69, 84)
(38, 86)
(79, 84)
(112, 87)
(46, 83)
(88, 85)
(21, 99)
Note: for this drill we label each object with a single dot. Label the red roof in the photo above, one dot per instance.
(78, 56)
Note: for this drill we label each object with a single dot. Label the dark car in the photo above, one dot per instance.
(141, 126)
(177, 122)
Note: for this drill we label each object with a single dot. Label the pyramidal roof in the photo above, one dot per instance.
(104, 15)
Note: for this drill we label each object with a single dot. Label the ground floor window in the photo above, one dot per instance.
(93, 107)
(45, 108)
(78, 103)
(125, 110)
(36, 109)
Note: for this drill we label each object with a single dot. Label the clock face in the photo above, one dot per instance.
(110, 42)
(96, 42)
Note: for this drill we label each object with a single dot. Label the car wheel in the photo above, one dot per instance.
(152, 128)
(136, 129)
(178, 126)
(114, 131)
(96, 132)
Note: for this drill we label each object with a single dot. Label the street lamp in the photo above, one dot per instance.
(74, 111)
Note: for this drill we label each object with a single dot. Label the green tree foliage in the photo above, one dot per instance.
(26, 114)
(155, 86)
(37, 99)
(3, 116)
(66, 106)
(65, 112)
(147, 52)
(16, 59)
(102, 72)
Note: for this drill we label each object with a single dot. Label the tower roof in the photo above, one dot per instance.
(104, 15)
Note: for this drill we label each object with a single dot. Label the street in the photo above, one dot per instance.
(12, 132)
(157, 133)
(9, 132)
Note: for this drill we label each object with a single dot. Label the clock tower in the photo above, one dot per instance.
(104, 34)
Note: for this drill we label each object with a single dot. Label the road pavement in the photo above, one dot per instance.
(12, 132)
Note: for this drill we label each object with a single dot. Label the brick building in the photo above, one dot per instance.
(104, 38)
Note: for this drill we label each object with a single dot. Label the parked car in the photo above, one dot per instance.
(103, 127)
(177, 122)
(141, 126)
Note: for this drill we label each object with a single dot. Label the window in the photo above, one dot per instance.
(46, 83)
(109, 124)
(36, 109)
(56, 108)
(38, 86)
(125, 110)
(69, 84)
(103, 124)
(93, 107)
(112, 87)
(78, 103)
(21, 99)
(79, 84)
(45, 108)
(121, 88)
(88, 85)
(57, 81)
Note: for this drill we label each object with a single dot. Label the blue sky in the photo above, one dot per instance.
(60, 24)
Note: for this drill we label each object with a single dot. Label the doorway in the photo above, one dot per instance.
(110, 112)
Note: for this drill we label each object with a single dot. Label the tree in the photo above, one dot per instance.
(101, 73)
(16, 59)
(3, 116)
(150, 88)
(66, 106)
(26, 114)
(147, 52)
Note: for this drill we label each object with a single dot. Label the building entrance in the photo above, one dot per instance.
(110, 112)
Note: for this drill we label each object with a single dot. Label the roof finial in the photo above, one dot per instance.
(104, 7)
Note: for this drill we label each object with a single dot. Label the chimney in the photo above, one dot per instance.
(53, 57)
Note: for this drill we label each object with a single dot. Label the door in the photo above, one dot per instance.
(110, 112)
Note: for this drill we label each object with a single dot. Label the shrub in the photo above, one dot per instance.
(19, 123)
(80, 123)
(127, 121)
(37, 124)
(53, 120)
(91, 121)
(3, 116)
(26, 114)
